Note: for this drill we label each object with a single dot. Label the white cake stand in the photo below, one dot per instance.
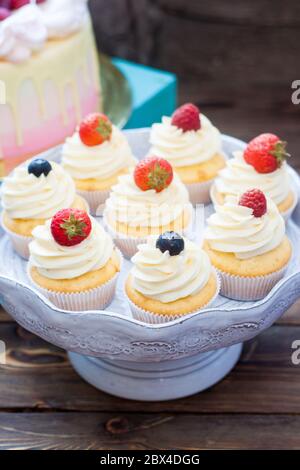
(130, 359)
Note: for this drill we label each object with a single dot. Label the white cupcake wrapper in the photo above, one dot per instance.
(148, 317)
(248, 288)
(286, 214)
(129, 245)
(94, 299)
(200, 192)
(19, 242)
(95, 200)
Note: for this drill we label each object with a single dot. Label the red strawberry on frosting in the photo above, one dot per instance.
(95, 129)
(153, 173)
(255, 200)
(69, 227)
(187, 118)
(266, 153)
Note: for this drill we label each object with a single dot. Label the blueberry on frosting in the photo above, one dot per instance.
(39, 167)
(171, 242)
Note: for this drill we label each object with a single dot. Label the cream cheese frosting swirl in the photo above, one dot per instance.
(129, 204)
(234, 229)
(238, 176)
(185, 148)
(21, 34)
(64, 17)
(62, 262)
(24, 196)
(99, 162)
(166, 278)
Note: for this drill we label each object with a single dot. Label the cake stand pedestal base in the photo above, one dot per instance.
(157, 381)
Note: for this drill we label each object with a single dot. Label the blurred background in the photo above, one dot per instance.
(235, 59)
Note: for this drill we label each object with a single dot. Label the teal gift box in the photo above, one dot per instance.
(154, 93)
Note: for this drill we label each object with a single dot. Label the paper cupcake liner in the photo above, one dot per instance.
(200, 192)
(248, 288)
(95, 200)
(150, 317)
(19, 242)
(94, 299)
(129, 245)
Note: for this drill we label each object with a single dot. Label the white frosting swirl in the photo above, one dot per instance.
(64, 17)
(24, 196)
(234, 229)
(101, 161)
(238, 176)
(62, 262)
(168, 278)
(129, 204)
(185, 148)
(21, 34)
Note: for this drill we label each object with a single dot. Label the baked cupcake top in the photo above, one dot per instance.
(151, 196)
(248, 226)
(168, 275)
(69, 245)
(262, 165)
(97, 150)
(187, 138)
(37, 189)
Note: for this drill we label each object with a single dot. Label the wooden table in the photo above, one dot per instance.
(45, 405)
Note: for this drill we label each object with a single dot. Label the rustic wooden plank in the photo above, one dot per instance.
(231, 57)
(38, 376)
(236, 12)
(146, 431)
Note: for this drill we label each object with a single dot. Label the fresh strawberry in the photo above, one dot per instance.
(266, 153)
(187, 118)
(15, 4)
(256, 200)
(95, 129)
(153, 173)
(70, 227)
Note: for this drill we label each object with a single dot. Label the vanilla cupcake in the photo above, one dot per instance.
(246, 242)
(193, 146)
(262, 165)
(73, 262)
(148, 201)
(33, 193)
(171, 277)
(95, 156)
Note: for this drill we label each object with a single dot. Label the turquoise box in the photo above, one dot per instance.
(154, 93)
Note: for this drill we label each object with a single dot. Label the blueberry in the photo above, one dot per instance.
(171, 242)
(39, 167)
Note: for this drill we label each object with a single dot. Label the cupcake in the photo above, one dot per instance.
(262, 165)
(73, 261)
(246, 242)
(147, 201)
(171, 277)
(192, 145)
(95, 156)
(33, 193)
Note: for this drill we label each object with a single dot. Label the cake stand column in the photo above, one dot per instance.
(157, 381)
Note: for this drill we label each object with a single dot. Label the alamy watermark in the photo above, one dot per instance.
(2, 352)
(296, 94)
(296, 354)
(2, 92)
